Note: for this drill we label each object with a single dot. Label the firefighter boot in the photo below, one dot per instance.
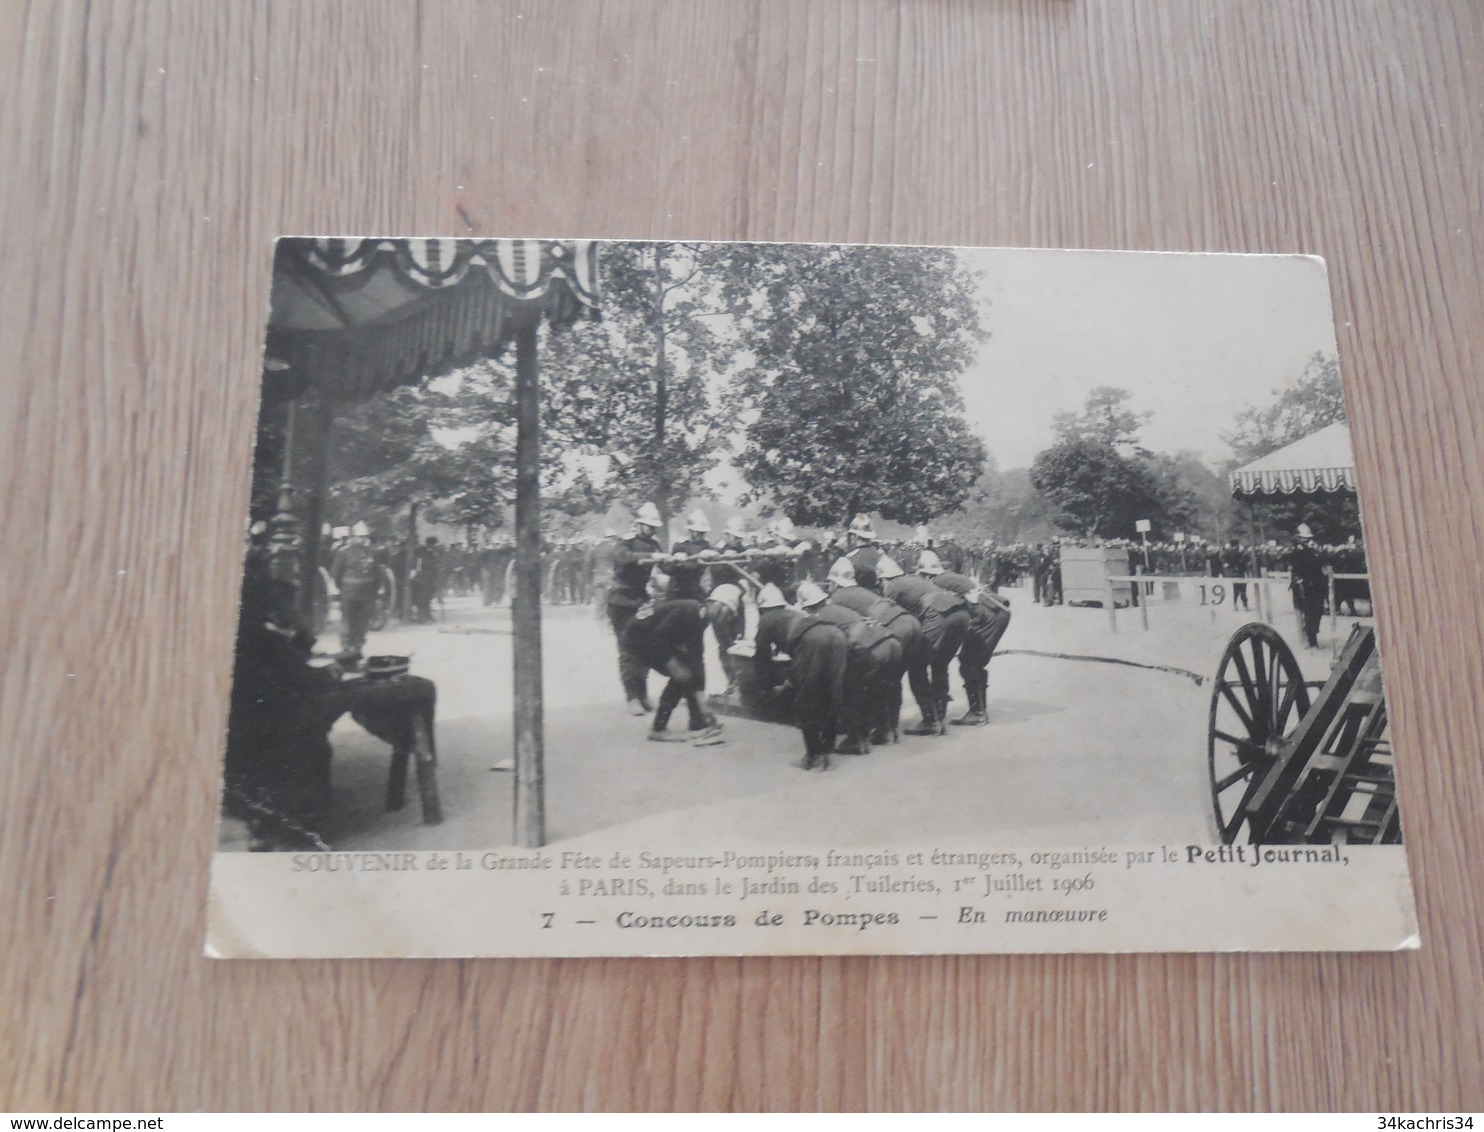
(659, 731)
(932, 723)
(975, 716)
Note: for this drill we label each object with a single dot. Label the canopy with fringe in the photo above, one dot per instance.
(356, 317)
(1323, 461)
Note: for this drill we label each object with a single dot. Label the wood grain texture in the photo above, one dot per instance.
(152, 150)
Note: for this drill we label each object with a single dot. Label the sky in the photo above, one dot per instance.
(1196, 339)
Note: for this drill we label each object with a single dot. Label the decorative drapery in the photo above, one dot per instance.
(355, 317)
(1321, 462)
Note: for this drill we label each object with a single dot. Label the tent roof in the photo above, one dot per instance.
(355, 317)
(1321, 461)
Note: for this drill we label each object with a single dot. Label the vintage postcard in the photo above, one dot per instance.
(664, 598)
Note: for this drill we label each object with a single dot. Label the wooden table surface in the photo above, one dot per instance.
(151, 151)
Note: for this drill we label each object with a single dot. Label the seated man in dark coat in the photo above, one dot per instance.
(277, 775)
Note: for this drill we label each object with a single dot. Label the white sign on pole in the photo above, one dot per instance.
(1179, 537)
(1143, 526)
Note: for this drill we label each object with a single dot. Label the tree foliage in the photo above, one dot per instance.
(849, 391)
(1105, 419)
(639, 387)
(1099, 479)
(1315, 401)
(385, 454)
(1196, 499)
(1003, 506)
(628, 410)
(1095, 491)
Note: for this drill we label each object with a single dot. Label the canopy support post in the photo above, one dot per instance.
(530, 771)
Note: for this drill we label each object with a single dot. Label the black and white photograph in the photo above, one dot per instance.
(635, 597)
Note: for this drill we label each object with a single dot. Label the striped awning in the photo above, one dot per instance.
(1323, 461)
(355, 317)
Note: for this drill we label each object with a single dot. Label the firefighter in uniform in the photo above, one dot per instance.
(687, 567)
(733, 543)
(914, 649)
(945, 623)
(864, 553)
(1234, 565)
(666, 634)
(873, 663)
(989, 617)
(816, 673)
(783, 565)
(1308, 583)
(626, 594)
(357, 575)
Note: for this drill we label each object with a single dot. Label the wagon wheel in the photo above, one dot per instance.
(1258, 699)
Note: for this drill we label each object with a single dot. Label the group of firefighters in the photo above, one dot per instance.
(835, 625)
(833, 655)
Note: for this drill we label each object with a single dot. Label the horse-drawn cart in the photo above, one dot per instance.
(1290, 765)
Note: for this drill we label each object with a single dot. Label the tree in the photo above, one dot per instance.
(1317, 400)
(1002, 506)
(1105, 419)
(1193, 497)
(849, 391)
(639, 387)
(1095, 491)
(384, 455)
(1100, 479)
(1185, 495)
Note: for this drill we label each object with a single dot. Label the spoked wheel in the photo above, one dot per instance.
(1257, 702)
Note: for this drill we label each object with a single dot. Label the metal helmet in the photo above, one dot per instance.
(783, 527)
(861, 526)
(811, 595)
(649, 515)
(842, 573)
(887, 569)
(340, 532)
(697, 521)
(360, 530)
(736, 527)
(728, 595)
(1304, 531)
(771, 597)
(929, 563)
